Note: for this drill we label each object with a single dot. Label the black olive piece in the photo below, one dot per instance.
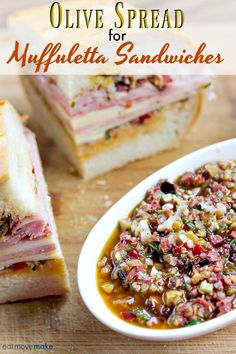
(150, 305)
(167, 187)
(232, 257)
(204, 262)
(164, 311)
(172, 282)
(157, 256)
(187, 267)
(122, 275)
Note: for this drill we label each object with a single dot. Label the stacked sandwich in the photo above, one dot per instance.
(104, 122)
(31, 261)
(101, 122)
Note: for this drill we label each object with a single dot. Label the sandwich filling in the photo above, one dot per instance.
(111, 101)
(31, 238)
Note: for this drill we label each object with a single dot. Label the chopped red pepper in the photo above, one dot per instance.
(134, 254)
(19, 266)
(128, 316)
(197, 249)
(129, 104)
(179, 248)
(142, 119)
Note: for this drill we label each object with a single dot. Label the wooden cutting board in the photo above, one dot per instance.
(65, 323)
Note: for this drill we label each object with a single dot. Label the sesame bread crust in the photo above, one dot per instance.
(4, 167)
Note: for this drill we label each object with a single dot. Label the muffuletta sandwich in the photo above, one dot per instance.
(104, 122)
(31, 260)
(101, 122)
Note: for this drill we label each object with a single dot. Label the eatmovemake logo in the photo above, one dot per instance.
(28, 347)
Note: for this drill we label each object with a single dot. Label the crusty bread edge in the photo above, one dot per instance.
(2, 128)
(4, 168)
(196, 115)
(50, 279)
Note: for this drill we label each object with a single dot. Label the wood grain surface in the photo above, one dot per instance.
(65, 323)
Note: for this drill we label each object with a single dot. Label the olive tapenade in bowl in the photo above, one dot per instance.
(161, 263)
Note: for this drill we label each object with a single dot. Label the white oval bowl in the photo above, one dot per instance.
(101, 232)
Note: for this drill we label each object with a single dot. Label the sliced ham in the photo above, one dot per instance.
(35, 251)
(30, 227)
(98, 99)
(34, 237)
(93, 112)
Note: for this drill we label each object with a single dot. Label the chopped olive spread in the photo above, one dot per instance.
(172, 261)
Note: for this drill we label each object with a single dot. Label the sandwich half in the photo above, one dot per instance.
(31, 260)
(104, 122)
(101, 122)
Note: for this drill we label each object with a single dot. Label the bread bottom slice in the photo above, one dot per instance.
(50, 278)
(127, 143)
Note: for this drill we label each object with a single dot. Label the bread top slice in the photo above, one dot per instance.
(17, 181)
